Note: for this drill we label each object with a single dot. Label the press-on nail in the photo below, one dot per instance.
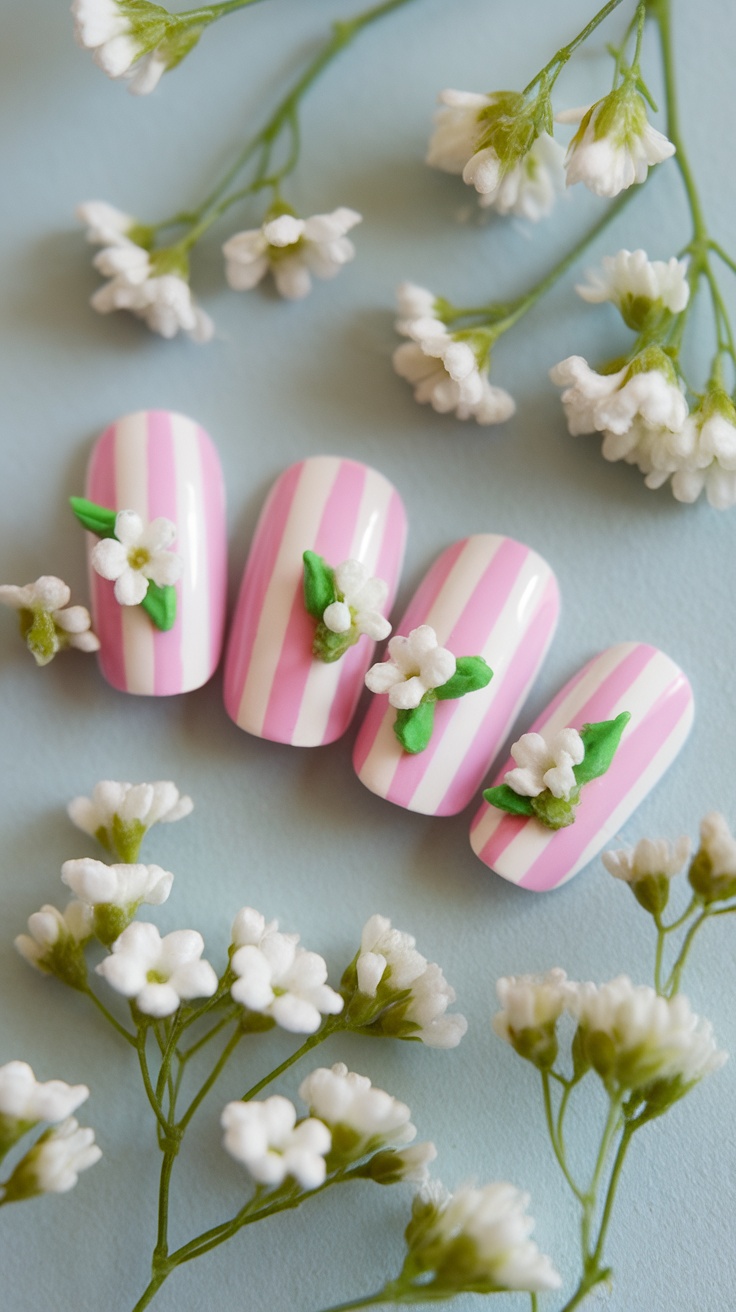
(275, 687)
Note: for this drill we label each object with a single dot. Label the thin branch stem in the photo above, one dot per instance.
(122, 1031)
(313, 1041)
(150, 1091)
(212, 1078)
(554, 67)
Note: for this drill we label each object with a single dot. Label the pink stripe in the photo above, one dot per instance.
(333, 541)
(257, 576)
(428, 591)
(520, 674)
(602, 796)
(108, 619)
(353, 663)
(598, 706)
(480, 614)
(161, 479)
(215, 528)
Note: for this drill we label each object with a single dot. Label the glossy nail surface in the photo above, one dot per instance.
(631, 676)
(274, 687)
(162, 464)
(484, 596)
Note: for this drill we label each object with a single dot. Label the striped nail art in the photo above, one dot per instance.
(274, 688)
(489, 596)
(631, 676)
(163, 464)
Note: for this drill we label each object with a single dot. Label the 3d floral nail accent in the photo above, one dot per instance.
(135, 557)
(293, 250)
(550, 774)
(48, 623)
(417, 675)
(345, 602)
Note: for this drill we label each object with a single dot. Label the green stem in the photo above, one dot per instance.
(673, 983)
(692, 904)
(373, 1300)
(640, 19)
(150, 1091)
(554, 1139)
(613, 1183)
(661, 932)
(593, 1271)
(313, 1041)
(129, 1038)
(552, 70)
(214, 1075)
(195, 1047)
(211, 13)
(534, 1303)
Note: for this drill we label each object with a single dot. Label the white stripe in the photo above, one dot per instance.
(315, 485)
(322, 680)
(131, 481)
(386, 752)
(192, 533)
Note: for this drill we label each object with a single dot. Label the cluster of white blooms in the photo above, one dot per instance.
(158, 973)
(526, 187)
(115, 892)
(53, 1163)
(55, 941)
(615, 144)
(442, 368)
(531, 1005)
(24, 1100)
(153, 285)
(361, 1119)
(127, 40)
(544, 765)
(136, 555)
(277, 978)
(123, 812)
(267, 1139)
(48, 622)
(476, 1239)
(398, 992)
(362, 598)
(416, 665)
(635, 285)
(651, 856)
(293, 250)
(712, 873)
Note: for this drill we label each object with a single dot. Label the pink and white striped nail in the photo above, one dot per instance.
(160, 464)
(484, 596)
(274, 686)
(633, 677)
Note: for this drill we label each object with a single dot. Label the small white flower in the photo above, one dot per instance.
(142, 283)
(125, 886)
(651, 856)
(703, 458)
(387, 957)
(361, 1119)
(48, 622)
(528, 189)
(388, 965)
(54, 1163)
(458, 127)
(265, 1137)
(445, 373)
(649, 1039)
(362, 598)
(417, 665)
(137, 554)
(479, 1240)
(596, 402)
(52, 929)
(106, 225)
(278, 978)
(24, 1098)
(629, 276)
(403, 1166)
(126, 43)
(546, 765)
(293, 250)
(530, 1002)
(158, 973)
(615, 145)
(718, 843)
(116, 809)
(415, 303)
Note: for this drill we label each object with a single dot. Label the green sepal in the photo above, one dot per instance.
(127, 836)
(652, 892)
(98, 519)
(504, 797)
(254, 1022)
(319, 585)
(601, 741)
(41, 635)
(414, 728)
(329, 646)
(555, 812)
(471, 673)
(160, 605)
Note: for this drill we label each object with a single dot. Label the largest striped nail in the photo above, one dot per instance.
(488, 596)
(331, 508)
(161, 465)
(630, 677)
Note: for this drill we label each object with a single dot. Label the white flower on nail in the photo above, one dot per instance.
(26, 1100)
(158, 973)
(137, 554)
(361, 1119)
(478, 1239)
(114, 805)
(48, 622)
(651, 856)
(54, 934)
(416, 665)
(125, 886)
(147, 284)
(359, 608)
(633, 283)
(615, 144)
(293, 250)
(279, 979)
(388, 965)
(546, 765)
(266, 1138)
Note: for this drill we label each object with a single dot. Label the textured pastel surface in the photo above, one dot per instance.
(274, 687)
(162, 464)
(484, 596)
(294, 833)
(631, 677)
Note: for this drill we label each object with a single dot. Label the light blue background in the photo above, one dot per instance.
(293, 832)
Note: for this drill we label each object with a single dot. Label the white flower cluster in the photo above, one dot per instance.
(615, 144)
(416, 665)
(48, 622)
(630, 279)
(544, 765)
(127, 41)
(154, 286)
(277, 978)
(650, 856)
(54, 1162)
(293, 250)
(115, 806)
(443, 369)
(362, 599)
(55, 940)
